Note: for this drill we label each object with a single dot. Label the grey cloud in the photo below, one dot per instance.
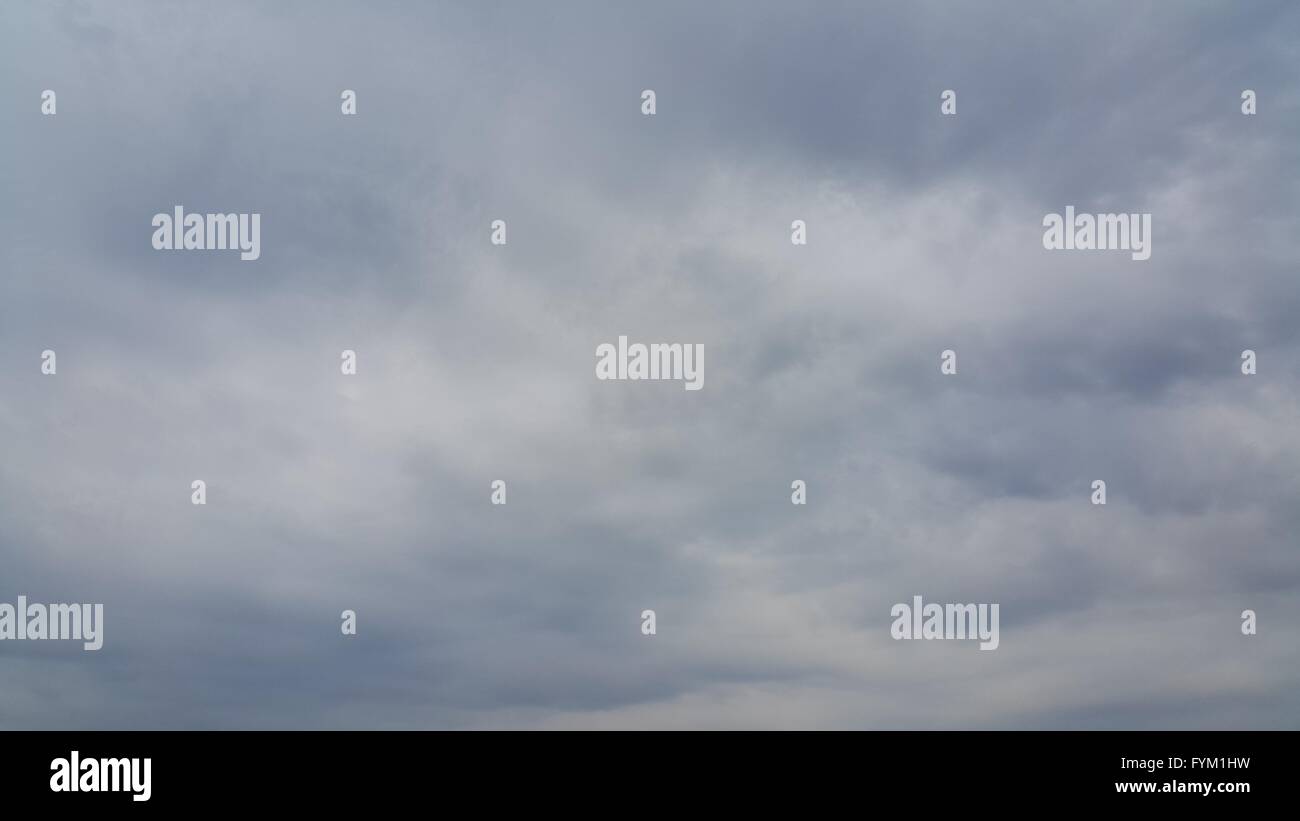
(476, 363)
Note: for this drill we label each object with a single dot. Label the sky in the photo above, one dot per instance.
(475, 362)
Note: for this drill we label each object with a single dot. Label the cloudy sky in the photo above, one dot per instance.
(476, 362)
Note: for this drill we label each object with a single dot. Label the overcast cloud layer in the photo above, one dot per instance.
(476, 363)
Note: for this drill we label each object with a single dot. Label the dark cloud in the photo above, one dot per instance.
(476, 363)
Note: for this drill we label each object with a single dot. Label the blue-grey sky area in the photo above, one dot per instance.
(476, 362)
